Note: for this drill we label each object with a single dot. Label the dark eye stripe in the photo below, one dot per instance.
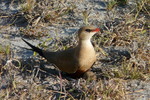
(88, 30)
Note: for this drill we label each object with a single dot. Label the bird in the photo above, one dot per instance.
(77, 60)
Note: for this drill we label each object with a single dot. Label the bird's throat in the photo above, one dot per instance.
(85, 43)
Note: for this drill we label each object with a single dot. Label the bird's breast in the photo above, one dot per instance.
(86, 56)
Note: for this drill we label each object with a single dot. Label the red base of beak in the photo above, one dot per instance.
(96, 30)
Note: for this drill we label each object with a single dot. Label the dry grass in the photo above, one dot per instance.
(24, 80)
(34, 32)
(48, 12)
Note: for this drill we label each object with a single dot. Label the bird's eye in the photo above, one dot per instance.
(88, 30)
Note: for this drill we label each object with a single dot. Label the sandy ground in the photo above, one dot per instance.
(10, 35)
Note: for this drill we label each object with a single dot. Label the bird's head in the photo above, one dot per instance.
(86, 32)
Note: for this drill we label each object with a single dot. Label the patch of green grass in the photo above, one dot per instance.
(111, 4)
(5, 50)
(28, 6)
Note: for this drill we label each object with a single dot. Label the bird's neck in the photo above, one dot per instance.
(85, 43)
(85, 48)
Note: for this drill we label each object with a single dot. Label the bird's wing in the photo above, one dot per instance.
(66, 61)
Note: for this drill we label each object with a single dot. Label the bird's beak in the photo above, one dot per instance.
(96, 30)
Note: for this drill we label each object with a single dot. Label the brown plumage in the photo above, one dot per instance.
(77, 60)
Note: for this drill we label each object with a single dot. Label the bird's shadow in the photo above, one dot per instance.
(41, 69)
(115, 56)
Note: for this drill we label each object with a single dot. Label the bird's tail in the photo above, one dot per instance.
(36, 49)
